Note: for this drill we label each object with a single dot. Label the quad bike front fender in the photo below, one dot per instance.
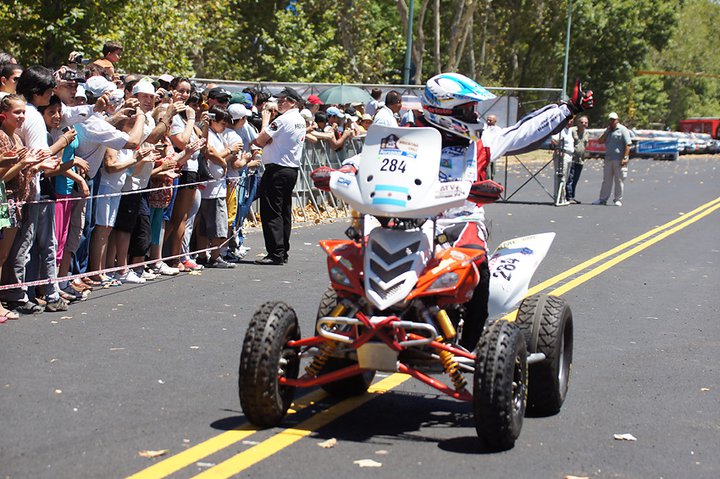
(512, 266)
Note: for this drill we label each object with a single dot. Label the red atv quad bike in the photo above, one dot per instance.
(398, 303)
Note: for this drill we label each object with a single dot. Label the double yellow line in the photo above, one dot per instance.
(286, 437)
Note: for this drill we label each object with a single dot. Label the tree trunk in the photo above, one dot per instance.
(463, 19)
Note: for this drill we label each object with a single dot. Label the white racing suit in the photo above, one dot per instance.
(464, 226)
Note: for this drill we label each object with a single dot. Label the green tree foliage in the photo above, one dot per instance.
(499, 42)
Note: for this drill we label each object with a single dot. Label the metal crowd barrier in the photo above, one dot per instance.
(305, 196)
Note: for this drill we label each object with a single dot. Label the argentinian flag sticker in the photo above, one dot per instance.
(390, 195)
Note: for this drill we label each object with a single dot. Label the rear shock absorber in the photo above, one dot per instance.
(326, 349)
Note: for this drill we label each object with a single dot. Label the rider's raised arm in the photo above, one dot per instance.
(528, 133)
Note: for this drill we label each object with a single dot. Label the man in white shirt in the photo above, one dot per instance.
(386, 114)
(283, 142)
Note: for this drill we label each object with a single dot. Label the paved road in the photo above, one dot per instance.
(155, 367)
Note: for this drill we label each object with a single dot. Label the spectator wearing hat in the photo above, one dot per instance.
(282, 158)
(336, 134)
(95, 136)
(385, 115)
(249, 175)
(617, 140)
(313, 104)
(218, 96)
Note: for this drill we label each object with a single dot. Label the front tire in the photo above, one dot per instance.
(500, 385)
(547, 324)
(353, 385)
(265, 357)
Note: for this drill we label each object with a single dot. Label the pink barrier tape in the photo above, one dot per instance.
(41, 282)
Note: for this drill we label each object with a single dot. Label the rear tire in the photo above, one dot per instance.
(354, 385)
(265, 357)
(500, 385)
(547, 324)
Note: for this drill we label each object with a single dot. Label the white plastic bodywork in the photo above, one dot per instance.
(398, 176)
(512, 266)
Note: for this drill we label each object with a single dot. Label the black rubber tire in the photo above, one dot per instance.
(500, 385)
(348, 387)
(547, 324)
(264, 401)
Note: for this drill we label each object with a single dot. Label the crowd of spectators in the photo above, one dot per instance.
(102, 171)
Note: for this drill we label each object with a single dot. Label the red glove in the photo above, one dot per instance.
(486, 191)
(321, 176)
(580, 100)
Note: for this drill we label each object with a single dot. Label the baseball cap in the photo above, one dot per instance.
(238, 111)
(98, 85)
(167, 78)
(237, 99)
(143, 86)
(334, 111)
(366, 117)
(290, 93)
(613, 116)
(314, 100)
(218, 93)
(306, 114)
(80, 92)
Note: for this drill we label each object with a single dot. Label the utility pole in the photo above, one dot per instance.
(408, 52)
(567, 50)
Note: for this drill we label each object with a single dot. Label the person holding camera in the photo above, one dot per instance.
(283, 140)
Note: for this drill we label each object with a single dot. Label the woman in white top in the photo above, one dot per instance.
(183, 131)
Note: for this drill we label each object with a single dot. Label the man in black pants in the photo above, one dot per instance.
(283, 142)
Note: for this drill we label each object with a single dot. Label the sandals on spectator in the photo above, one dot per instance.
(6, 314)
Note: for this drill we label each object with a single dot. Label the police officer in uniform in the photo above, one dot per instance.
(282, 141)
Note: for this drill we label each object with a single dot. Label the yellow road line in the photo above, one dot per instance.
(622, 257)
(267, 448)
(215, 444)
(287, 437)
(586, 264)
(684, 220)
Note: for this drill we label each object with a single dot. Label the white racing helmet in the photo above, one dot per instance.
(451, 102)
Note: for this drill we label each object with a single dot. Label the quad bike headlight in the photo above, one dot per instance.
(448, 280)
(339, 276)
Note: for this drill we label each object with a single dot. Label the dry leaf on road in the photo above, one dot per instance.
(328, 444)
(151, 454)
(367, 463)
(624, 437)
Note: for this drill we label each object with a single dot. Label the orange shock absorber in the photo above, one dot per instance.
(325, 349)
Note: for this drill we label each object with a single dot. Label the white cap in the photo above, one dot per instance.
(80, 92)
(306, 114)
(98, 85)
(238, 111)
(143, 86)
(613, 116)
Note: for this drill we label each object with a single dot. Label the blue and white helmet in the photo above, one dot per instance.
(451, 102)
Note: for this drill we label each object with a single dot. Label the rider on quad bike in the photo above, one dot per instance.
(453, 104)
